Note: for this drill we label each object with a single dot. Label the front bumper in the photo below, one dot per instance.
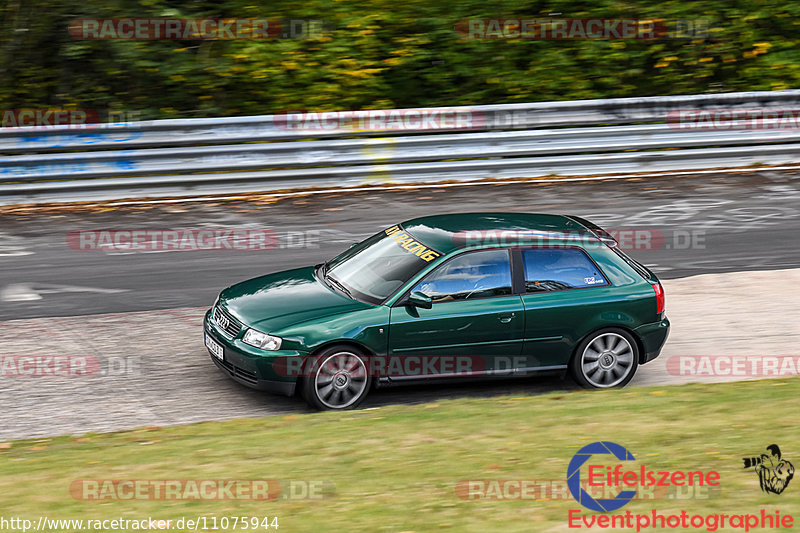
(251, 366)
(653, 337)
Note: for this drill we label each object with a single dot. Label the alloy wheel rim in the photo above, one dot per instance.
(607, 360)
(340, 380)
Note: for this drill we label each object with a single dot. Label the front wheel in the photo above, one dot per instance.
(336, 379)
(606, 358)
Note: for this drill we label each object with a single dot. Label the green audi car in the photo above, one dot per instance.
(437, 298)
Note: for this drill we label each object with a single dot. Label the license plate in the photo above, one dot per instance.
(213, 347)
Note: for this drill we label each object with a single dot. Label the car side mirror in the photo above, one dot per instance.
(352, 245)
(418, 299)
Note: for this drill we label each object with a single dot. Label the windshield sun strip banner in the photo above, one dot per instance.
(411, 245)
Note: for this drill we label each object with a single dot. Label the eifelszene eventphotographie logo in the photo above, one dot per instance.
(602, 505)
(612, 477)
(774, 472)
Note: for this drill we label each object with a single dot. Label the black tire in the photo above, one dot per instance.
(605, 359)
(336, 379)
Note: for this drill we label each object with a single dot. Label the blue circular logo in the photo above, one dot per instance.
(574, 477)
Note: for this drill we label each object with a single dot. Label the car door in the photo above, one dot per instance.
(565, 293)
(474, 316)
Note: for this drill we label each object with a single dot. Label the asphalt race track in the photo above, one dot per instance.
(700, 225)
(738, 222)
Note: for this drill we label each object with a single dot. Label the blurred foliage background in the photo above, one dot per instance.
(382, 54)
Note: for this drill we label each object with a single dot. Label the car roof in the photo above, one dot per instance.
(446, 233)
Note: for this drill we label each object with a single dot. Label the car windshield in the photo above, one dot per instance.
(376, 268)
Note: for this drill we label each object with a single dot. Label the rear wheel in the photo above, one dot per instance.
(336, 379)
(605, 359)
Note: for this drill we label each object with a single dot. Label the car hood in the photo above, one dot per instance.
(269, 303)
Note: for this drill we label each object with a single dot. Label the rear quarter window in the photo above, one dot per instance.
(637, 266)
(555, 269)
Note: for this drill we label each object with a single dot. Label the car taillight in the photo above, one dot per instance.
(659, 297)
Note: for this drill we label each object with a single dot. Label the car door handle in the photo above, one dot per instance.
(505, 319)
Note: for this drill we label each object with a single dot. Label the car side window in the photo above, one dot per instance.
(555, 269)
(469, 276)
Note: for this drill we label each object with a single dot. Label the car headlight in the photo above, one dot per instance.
(261, 340)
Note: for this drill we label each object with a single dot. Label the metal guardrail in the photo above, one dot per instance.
(212, 156)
